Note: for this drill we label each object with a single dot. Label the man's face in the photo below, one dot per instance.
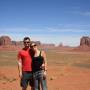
(27, 43)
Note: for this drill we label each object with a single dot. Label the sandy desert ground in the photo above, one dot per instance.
(66, 71)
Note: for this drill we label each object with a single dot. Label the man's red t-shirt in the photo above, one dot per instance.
(26, 60)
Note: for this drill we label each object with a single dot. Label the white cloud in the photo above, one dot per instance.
(68, 34)
(83, 13)
(66, 30)
(19, 30)
(58, 29)
(70, 28)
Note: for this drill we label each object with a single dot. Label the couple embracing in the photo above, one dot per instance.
(32, 66)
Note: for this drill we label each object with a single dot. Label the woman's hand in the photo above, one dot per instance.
(43, 66)
(44, 74)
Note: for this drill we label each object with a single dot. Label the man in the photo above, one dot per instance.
(24, 65)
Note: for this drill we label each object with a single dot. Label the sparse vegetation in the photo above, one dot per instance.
(9, 58)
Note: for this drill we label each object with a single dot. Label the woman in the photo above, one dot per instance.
(39, 67)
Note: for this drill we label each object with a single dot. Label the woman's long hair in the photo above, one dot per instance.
(31, 52)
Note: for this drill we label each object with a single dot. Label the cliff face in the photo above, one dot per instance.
(85, 41)
(5, 40)
(84, 44)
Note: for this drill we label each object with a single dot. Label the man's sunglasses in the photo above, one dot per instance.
(26, 42)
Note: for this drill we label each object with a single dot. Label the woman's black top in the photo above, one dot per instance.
(37, 62)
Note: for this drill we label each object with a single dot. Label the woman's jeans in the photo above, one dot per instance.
(39, 79)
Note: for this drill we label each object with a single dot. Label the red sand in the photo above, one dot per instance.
(59, 78)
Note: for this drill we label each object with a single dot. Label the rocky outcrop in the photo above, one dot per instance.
(84, 44)
(37, 42)
(85, 40)
(5, 40)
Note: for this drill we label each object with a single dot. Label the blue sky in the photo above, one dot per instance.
(49, 21)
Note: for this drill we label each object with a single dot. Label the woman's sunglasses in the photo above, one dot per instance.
(33, 45)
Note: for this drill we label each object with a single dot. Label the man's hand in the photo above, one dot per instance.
(20, 75)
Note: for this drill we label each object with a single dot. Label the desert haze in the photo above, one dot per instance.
(68, 67)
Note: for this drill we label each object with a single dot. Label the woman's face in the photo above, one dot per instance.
(34, 46)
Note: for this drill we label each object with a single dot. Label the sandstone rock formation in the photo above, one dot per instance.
(5, 40)
(85, 40)
(84, 44)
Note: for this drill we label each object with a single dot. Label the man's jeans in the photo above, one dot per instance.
(38, 79)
